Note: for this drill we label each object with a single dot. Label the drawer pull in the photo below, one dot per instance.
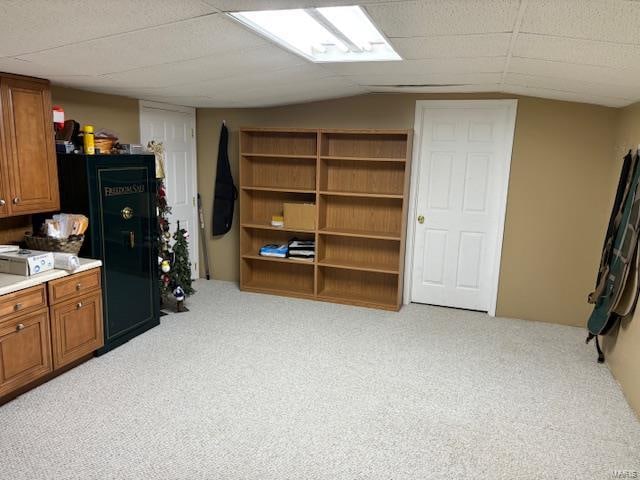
(78, 286)
(17, 306)
(19, 327)
(79, 305)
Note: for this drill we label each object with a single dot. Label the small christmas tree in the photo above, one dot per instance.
(181, 272)
(164, 235)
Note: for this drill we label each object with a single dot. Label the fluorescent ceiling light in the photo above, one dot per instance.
(331, 34)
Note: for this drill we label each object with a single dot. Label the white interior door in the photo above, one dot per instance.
(174, 126)
(462, 172)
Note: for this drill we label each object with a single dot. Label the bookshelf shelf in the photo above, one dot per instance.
(358, 180)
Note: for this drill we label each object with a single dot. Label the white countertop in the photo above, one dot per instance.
(12, 283)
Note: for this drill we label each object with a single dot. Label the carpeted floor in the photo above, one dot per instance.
(248, 386)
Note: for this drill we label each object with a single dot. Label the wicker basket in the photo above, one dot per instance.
(49, 244)
(105, 144)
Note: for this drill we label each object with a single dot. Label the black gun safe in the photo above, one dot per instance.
(118, 195)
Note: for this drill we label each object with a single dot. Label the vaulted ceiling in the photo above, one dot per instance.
(189, 52)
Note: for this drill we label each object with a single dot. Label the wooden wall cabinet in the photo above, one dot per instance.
(358, 180)
(29, 177)
(40, 339)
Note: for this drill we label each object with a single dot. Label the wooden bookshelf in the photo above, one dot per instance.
(358, 180)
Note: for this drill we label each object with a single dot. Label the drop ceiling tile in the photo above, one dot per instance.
(420, 67)
(29, 26)
(208, 35)
(568, 71)
(22, 67)
(301, 75)
(490, 87)
(571, 50)
(452, 46)
(606, 20)
(579, 87)
(564, 95)
(247, 63)
(418, 80)
(444, 17)
(244, 5)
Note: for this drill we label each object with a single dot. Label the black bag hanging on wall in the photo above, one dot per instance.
(225, 193)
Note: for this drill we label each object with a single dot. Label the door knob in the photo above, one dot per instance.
(420, 219)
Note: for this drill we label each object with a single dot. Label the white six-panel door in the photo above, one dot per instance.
(460, 183)
(174, 126)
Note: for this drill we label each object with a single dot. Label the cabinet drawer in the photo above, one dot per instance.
(69, 287)
(77, 328)
(25, 350)
(22, 301)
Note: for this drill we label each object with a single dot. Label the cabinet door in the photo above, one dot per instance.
(25, 350)
(30, 163)
(5, 209)
(77, 328)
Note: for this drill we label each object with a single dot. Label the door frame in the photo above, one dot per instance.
(422, 106)
(146, 105)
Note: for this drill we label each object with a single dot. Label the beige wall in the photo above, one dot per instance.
(119, 114)
(559, 192)
(622, 346)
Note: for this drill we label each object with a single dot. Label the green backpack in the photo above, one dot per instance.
(616, 290)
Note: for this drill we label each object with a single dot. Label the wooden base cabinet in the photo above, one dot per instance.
(40, 339)
(77, 328)
(25, 350)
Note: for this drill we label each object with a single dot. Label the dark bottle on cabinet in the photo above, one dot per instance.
(118, 195)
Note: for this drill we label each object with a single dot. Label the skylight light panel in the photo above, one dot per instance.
(331, 34)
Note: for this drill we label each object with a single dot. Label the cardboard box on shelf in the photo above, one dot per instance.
(300, 215)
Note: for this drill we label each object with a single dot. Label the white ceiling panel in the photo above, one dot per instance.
(564, 95)
(246, 62)
(452, 46)
(491, 87)
(300, 76)
(280, 94)
(22, 67)
(29, 26)
(444, 17)
(245, 5)
(583, 88)
(577, 51)
(419, 67)
(606, 20)
(574, 72)
(452, 79)
(208, 35)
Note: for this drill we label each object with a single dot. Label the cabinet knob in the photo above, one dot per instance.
(16, 200)
(421, 219)
(19, 327)
(79, 305)
(78, 286)
(17, 306)
(2, 202)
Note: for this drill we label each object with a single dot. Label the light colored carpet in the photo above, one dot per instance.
(249, 386)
